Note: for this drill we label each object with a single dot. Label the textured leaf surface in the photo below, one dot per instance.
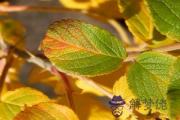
(149, 76)
(80, 48)
(14, 101)
(174, 92)
(47, 111)
(137, 18)
(166, 16)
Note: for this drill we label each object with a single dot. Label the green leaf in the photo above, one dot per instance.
(174, 92)
(14, 101)
(47, 111)
(166, 16)
(149, 76)
(77, 47)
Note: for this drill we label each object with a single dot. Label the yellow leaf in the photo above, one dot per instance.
(121, 88)
(12, 32)
(39, 75)
(13, 102)
(47, 111)
(94, 107)
(94, 6)
(89, 89)
(137, 18)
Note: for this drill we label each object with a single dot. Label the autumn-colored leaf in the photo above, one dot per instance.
(137, 18)
(12, 32)
(94, 6)
(80, 48)
(46, 111)
(13, 102)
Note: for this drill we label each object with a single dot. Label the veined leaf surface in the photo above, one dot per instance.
(166, 16)
(149, 76)
(79, 48)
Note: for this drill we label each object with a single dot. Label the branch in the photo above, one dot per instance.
(48, 66)
(132, 54)
(9, 61)
(67, 86)
(23, 8)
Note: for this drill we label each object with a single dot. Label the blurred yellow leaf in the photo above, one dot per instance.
(47, 111)
(13, 102)
(94, 6)
(12, 32)
(121, 88)
(137, 19)
(94, 107)
(85, 97)
(39, 75)
(89, 89)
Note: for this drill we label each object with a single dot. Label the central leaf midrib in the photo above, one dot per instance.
(81, 48)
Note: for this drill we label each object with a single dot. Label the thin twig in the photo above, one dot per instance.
(67, 84)
(9, 61)
(23, 8)
(133, 54)
(48, 66)
(95, 86)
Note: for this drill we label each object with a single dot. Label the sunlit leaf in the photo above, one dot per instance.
(14, 101)
(47, 111)
(76, 47)
(86, 88)
(174, 92)
(137, 18)
(94, 6)
(121, 88)
(149, 76)
(39, 75)
(94, 108)
(166, 16)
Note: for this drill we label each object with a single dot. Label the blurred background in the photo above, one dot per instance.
(36, 24)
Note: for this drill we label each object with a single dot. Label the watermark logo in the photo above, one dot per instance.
(117, 104)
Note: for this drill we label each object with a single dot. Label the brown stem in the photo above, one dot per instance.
(67, 85)
(68, 89)
(46, 65)
(8, 64)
